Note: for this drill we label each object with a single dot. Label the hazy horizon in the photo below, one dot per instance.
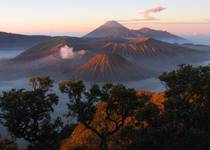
(64, 16)
(195, 38)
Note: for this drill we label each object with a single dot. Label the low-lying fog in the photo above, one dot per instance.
(148, 84)
(151, 84)
(5, 54)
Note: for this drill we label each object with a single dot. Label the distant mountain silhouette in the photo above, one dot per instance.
(113, 29)
(110, 29)
(14, 41)
(161, 35)
(197, 46)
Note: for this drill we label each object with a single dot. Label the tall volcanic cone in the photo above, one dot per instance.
(111, 29)
(106, 67)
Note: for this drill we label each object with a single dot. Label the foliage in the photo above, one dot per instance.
(121, 103)
(187, 107)
(130, 120)
(26, 114)
(6, 144)
(182, 124)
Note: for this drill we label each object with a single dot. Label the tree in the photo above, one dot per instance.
(121, 103)
(187, 107)
(144, 133)
(6, 144)
(26, 114)
(184, 123)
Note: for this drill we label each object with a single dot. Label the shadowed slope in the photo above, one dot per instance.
(197, 47)
(161, 35)
(145, 47)
(42, 50)
(14, 41)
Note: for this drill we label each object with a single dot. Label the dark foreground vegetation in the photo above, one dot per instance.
(112, 116)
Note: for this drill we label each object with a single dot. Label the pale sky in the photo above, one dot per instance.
(82, 16)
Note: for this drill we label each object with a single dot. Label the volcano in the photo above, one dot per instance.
(106, 67)
(111, 29)
(144, 53)
(145, 47)
(107, 54)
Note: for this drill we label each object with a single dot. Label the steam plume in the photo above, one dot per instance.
(66, 52)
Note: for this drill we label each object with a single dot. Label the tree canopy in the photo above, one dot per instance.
(121, 102)
(120, 117)
(26, 113)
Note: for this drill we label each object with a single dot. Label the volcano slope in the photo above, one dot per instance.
(141, 54)
(111, 29)
(47, 58)
(105, 67)
(153, 54)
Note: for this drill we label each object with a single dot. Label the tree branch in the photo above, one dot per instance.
(118, 124)
(91, 128)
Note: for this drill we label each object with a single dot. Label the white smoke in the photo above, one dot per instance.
(66, 52)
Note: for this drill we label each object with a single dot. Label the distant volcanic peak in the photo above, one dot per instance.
(113, 24)
(110, 29)
(115, 30)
